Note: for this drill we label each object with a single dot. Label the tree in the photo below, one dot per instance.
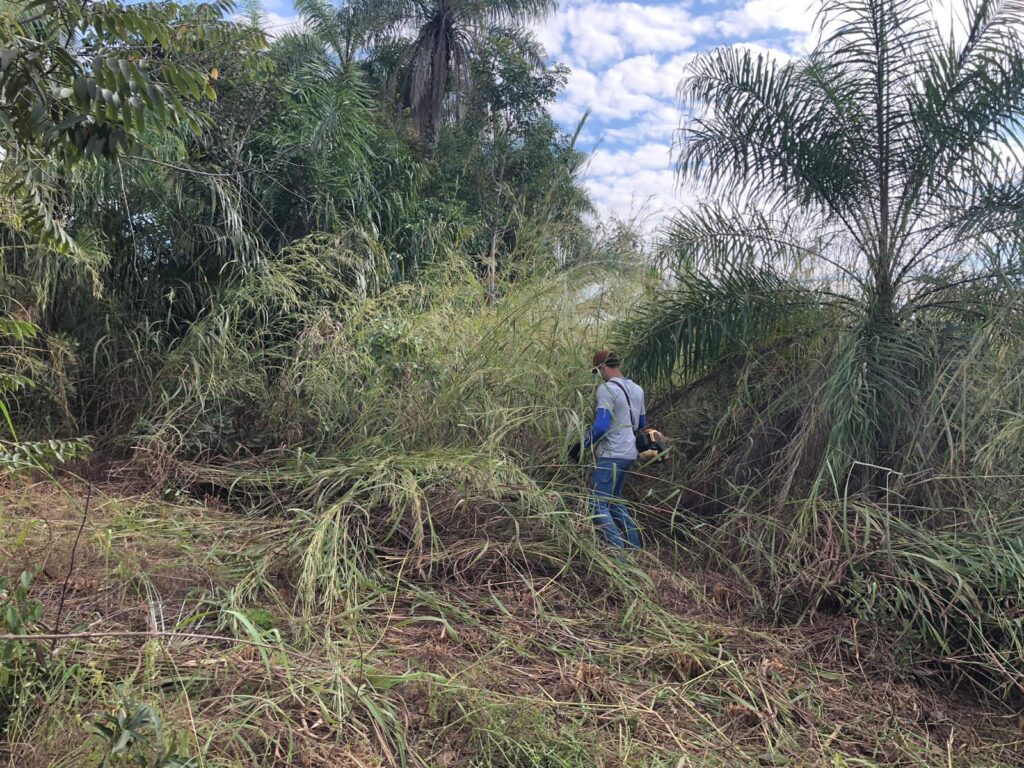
(80, 83)
(448, 35)
(84, 80)
(342, 30)
(880, 169)
(511, 164)
(498, 167)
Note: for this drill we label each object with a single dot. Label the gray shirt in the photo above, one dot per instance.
(619, 442)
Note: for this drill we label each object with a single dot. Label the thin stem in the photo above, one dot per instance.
(71, 566)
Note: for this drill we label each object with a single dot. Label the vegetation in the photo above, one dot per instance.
(294, 334)
(868, 305)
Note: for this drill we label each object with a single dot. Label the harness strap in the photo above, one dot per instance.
(629, 404)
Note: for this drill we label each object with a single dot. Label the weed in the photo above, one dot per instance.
(20, 660)
(133, 737)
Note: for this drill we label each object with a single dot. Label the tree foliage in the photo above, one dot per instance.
(83, 80)
(436, 45)
(875, 179)
(162, 155)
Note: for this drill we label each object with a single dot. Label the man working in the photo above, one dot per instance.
(620, 412)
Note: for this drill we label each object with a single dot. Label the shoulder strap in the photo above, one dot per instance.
(629, 405)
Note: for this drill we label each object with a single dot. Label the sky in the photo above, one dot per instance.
(627, 59)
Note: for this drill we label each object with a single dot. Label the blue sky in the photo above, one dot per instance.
(627, 59)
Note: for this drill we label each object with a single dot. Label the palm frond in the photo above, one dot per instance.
(325, 23)
(696, 325)
(714, 238)
(876, 378)
(505, 12)
(779, 130)
(992, 206)
(969, 98)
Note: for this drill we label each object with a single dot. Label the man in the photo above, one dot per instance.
(620, 412)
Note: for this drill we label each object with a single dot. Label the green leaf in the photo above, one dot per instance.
(7, 419)
(13, 620)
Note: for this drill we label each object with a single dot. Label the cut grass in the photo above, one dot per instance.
(425, 589)
(506, 667)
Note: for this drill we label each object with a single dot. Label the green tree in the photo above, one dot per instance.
(342, 29)
(867, 180)
(512, 167)
(435, 65)
(84, 80)
(82, 86)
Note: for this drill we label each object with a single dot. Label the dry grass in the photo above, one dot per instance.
(473, 666)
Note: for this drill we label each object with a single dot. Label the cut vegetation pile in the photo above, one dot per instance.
(191, 610)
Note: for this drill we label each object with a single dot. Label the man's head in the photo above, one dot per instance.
(606, 363)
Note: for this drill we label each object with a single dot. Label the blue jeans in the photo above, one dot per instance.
(610, 513)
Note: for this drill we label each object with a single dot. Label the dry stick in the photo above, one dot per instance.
(148, 633)
(71, 569)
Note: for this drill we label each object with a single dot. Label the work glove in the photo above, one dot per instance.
(575, 450)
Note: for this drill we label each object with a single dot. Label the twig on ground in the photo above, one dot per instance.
(71, 568)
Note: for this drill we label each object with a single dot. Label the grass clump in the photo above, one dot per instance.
(506, 730)
(440, 452)
(931, 554)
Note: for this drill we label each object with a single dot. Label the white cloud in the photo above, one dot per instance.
(757, 16)
(627, 60)
(592, 33)
(647, 75)
(567, 114)
(658, 124)
(276, 24)
(653, 156)
(650, 193)
(633, 88)
(626, 182)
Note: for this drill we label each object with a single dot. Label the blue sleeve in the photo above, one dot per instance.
(643, 420)
(602, 424)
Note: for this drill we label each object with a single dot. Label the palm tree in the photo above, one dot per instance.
(340, 30)
(423, 49)
(882, 170)
(441, 39)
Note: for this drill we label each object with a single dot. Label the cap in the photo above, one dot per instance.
(606, 357)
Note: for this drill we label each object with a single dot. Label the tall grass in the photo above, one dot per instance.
(392, 462)
(419, 429)
(932, 554)
(418, 433)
